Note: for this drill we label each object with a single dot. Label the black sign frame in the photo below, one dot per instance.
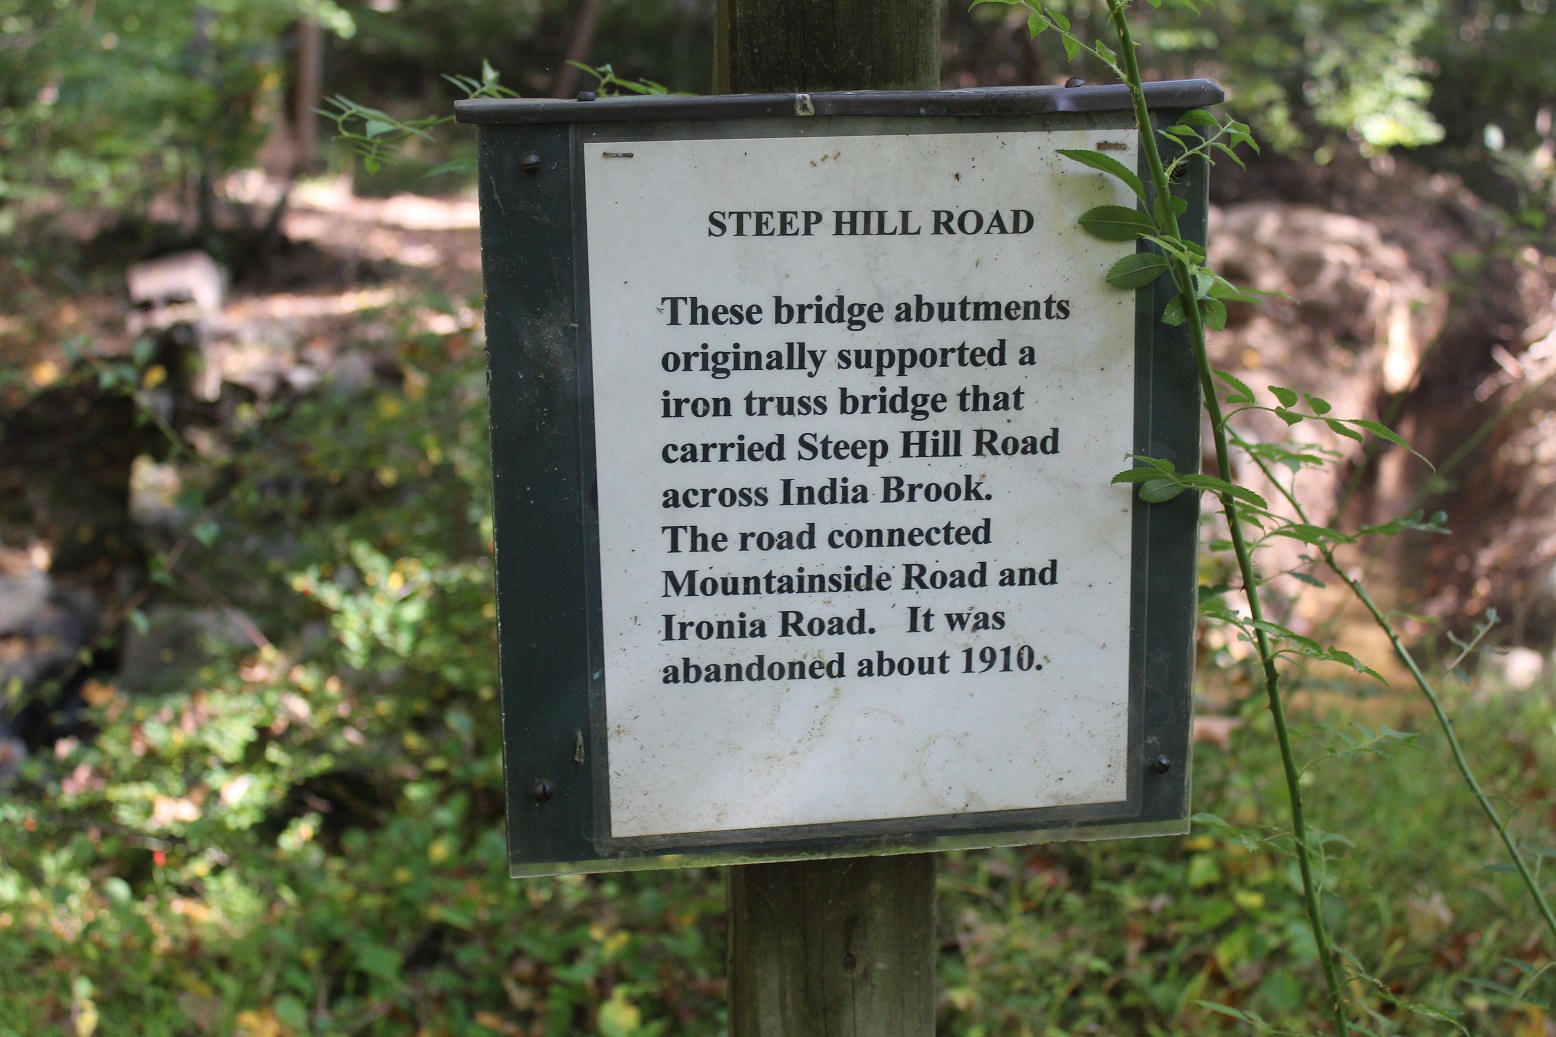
(546, 528)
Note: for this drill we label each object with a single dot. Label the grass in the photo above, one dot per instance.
(307, 839)
(1130, 937)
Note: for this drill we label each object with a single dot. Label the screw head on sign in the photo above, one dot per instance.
(1162, 764)
(530, 163)
(544, 790)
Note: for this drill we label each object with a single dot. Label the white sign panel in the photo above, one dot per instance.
(857, 400)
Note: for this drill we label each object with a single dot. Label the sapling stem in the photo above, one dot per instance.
(1184, 282)
(1460, 760)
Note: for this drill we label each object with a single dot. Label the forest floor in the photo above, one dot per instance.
(266, 795)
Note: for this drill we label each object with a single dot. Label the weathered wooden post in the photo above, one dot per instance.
(830, 948)
(786, 46)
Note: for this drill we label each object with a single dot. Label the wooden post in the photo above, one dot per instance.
(765, 46)
(838, 948)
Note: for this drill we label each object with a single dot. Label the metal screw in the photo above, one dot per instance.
(587, 95)
(530, 163)
(1074, 81)
(849, 962)
(544, 790)
(1162, 764)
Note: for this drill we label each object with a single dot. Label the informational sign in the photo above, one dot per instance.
(827, 413)
(856, 402)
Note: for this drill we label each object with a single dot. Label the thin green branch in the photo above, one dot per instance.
(1460, 760)
(1450, 464)
(1184, 280)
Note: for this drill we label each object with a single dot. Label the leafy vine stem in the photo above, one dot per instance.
(1200, 304)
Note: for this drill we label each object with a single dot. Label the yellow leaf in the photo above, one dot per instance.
(155, 375)
(98, 693)
(620, 1017)
(493, 1021)
(44, 373)
(259, 1024)
(614, 943)
(83, 1010)
(1533, 1024)
(415, 383)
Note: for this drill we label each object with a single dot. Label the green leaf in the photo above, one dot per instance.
(1116, 223)
(1384, 432)
(1234, 156)
(1135, 475)
(1340, 428)
(1286, 397)
(1213, 821)
(1160, 490)
(1072, 46)
(1306, 645)
(1214, 312)
(1215, 485)
(291, 1012)
(458, 165)
(1166, 207)
(1417, 521)
(1137, 270)
(1161, 464)
(1339, 655)
(1289, 417)
(377, 128)
(1172, 313)
(1036, 24)
(1318, 536)
(1215, 1006)
(1107, 164)
(1218, 611)
(1243, 393)
(379, 961)
(1226, 291)
(1198, 117)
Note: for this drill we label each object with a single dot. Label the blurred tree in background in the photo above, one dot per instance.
(105, 104)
